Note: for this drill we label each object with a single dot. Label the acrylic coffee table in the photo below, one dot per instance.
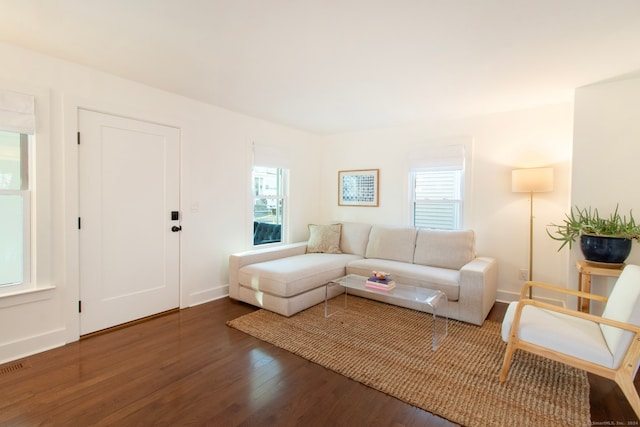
(422, 299)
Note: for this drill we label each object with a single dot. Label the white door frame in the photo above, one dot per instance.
(71, 195)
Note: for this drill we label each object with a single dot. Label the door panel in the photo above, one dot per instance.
(129, 184)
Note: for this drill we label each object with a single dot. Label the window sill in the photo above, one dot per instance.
(26, 296)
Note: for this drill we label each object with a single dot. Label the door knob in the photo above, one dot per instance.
(176, 228)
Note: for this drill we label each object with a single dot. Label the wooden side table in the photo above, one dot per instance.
(585, 271)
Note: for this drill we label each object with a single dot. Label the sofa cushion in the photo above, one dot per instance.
(437, 279)
(445, 249)
(354, 238)
(393, 243)
(293, 275)
(324, 238)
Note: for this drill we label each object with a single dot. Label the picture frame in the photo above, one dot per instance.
(358, 187)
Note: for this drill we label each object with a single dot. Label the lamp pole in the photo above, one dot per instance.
(530, 242)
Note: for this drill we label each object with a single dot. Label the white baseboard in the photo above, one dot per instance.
(207, 295)
(31, 345)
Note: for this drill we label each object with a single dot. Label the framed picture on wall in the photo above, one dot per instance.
(358, 187)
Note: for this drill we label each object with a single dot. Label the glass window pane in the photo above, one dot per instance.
(437, 185)
(12, 242)
(438, 215)
(262, 212)
(267, 181)
(13, 161)
(267, 221)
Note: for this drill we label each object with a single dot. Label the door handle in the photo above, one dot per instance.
(176, 228)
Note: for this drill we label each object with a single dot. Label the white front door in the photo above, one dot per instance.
(129, 183)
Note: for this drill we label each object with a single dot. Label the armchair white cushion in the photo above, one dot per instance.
(607, 345)
(577, 337)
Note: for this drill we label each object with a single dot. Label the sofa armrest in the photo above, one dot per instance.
(240, 259)
(478, 288)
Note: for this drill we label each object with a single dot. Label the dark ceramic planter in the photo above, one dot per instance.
(610, 250)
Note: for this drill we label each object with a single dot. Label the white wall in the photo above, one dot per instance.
(501, 142)
(216, 159)
(605, 155)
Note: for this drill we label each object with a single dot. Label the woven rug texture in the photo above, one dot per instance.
(388, 348)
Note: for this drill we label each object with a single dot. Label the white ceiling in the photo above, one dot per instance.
(329, 66)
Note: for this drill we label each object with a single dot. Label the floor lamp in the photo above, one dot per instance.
(532, 180)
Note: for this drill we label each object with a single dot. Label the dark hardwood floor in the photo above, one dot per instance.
(189, 368)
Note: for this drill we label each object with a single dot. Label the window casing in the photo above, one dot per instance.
(18, 107)
(269, 204)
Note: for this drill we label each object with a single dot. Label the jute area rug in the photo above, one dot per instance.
(388, 348)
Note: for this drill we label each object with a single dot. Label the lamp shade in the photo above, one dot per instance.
(536, 180)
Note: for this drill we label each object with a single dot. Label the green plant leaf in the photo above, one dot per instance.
(588, 221)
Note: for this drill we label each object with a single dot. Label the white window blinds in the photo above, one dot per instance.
(17, 112)
(444, 157)
(270, 156)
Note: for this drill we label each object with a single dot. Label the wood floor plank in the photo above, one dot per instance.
(189, 368)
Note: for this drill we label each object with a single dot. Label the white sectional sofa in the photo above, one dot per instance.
(290, 278)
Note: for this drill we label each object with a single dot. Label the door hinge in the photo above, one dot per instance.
(78, 138)
(79, 223)
(79, 306)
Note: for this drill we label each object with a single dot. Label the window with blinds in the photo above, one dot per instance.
(17, 123)
(437, 183)
(437, 199)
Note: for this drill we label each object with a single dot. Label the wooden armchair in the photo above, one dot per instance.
(607, 345)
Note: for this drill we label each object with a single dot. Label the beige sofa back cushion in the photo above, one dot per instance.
(445, 249)
(354, 238)
(393, 243)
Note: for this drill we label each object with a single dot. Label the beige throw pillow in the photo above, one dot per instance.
(324, 239)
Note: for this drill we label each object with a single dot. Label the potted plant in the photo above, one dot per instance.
(602, 239)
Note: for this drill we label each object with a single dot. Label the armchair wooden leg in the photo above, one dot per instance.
(629, 390)
(511, 347)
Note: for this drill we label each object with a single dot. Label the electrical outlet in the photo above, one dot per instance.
(523, 274)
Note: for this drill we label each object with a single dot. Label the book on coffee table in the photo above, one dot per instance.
(382, 284)
(371, 285)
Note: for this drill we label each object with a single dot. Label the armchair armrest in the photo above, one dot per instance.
(533, 284)
(579, 314)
